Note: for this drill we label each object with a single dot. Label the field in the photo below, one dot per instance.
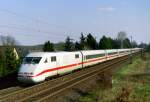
(131, 83)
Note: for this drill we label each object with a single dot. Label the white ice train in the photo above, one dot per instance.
(37, 66)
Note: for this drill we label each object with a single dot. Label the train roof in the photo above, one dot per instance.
(41, 54)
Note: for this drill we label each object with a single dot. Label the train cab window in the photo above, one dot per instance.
(76, 55)
(36, 60)
(53, 58)
(31, 60)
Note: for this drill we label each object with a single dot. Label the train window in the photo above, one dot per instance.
(36, 60)
(27, 60)
(53, 58)
(46, 60)
(94, 56)
(76, 55)
(31, 60)
(84, 57)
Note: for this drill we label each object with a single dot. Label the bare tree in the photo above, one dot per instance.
(8, 41)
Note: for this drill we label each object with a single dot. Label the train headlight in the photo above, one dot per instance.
(20, 73)
(28, 73)
(31, 73)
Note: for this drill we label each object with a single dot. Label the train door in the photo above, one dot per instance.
(81, 59)
(63, 61)
(54, 65)
(78, 60)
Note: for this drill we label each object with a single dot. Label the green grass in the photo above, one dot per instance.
(131, 83)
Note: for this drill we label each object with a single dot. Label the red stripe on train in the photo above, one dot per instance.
(68, 66)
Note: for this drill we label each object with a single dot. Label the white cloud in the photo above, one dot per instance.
(107, 9)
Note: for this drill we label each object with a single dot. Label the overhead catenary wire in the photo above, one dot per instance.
(44, 33)
(29, 35)
(38, 29)
(34, 19)
(28, 29)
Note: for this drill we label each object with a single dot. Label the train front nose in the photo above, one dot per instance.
(28, 78)
(25, 77)
(26, 73)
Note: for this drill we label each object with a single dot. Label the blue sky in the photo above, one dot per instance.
(36, 21)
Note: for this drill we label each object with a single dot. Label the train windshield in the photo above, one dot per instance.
(31, 60)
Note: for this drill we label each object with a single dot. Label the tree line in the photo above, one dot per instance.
(9, 63)
(89, 42)
(145, 46)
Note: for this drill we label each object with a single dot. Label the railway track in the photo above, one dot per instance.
(4, 92)
(46, 90)
(9, 90)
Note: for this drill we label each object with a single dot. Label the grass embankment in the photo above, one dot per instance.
(131, 83)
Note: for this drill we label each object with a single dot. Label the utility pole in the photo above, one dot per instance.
(131, 50)
(131, 41)
(121, 43)
(72, 45)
